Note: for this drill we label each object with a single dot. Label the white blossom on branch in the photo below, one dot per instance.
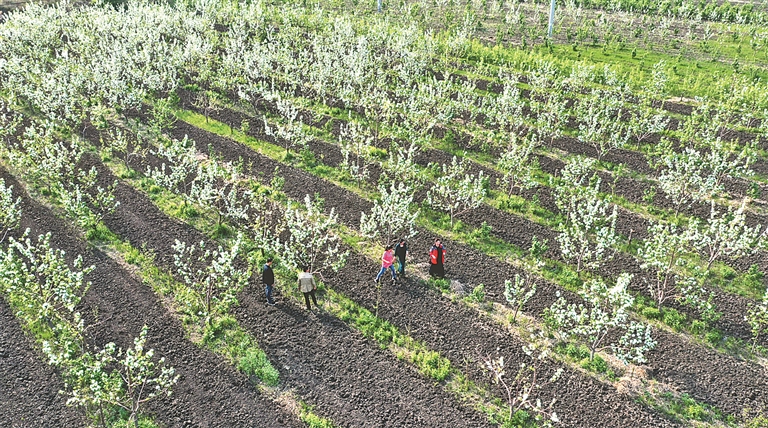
(392, 216)
(455, 190)
(311, 241)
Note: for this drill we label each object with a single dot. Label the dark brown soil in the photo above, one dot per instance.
(459, 325)
(459, 334)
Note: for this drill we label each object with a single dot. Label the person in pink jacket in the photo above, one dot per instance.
(387, 262)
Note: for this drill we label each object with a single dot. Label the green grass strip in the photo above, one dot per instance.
(309, 417)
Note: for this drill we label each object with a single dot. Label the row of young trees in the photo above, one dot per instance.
(547, 103)
(589, 238)
(302, 234)
(604, 115)
(45, 291)
(54, 165)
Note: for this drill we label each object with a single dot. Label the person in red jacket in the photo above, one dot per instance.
(387, 262)
(436, 260)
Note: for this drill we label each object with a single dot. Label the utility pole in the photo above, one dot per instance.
(378, 5)
(551, 19)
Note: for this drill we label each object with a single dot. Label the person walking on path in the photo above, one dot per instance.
(387, 262)
(307, 285)
(401, 250)
(436, 260)
(268, 278)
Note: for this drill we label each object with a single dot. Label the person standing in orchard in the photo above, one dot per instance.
(268, 278)
(436, 260)
(387, 262)
(307, 285)
(401, 250)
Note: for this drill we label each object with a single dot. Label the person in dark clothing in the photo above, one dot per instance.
(401, 249)
(307, 285)
(436, 260)
(268, 278)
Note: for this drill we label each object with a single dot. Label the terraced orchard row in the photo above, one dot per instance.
(605, 242)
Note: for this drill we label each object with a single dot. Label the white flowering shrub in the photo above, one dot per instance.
(10, 210)
(519, 292)
(213, 278)
(115, 141)
(645, 122)
(661, 254)
(634, 344)
(600, 122)
(589, 233)
(217, 186)
(311, 240)
(656, 89)
(126, 379)
(401, 165)
(86, 202)
(455, 190)
(162, 117)
(265, 221)
(682, 179)
(517, 163)
(577, 181)
(50, 163)
(725, 235)
(506, 109)
(40, 275)
(392, 216)
(180, 163)
(605, 313)
(522, 387)
(289, 130)
(45, 291)
(693, 176)
(378, 106)
(548, 103)
(355, 142)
